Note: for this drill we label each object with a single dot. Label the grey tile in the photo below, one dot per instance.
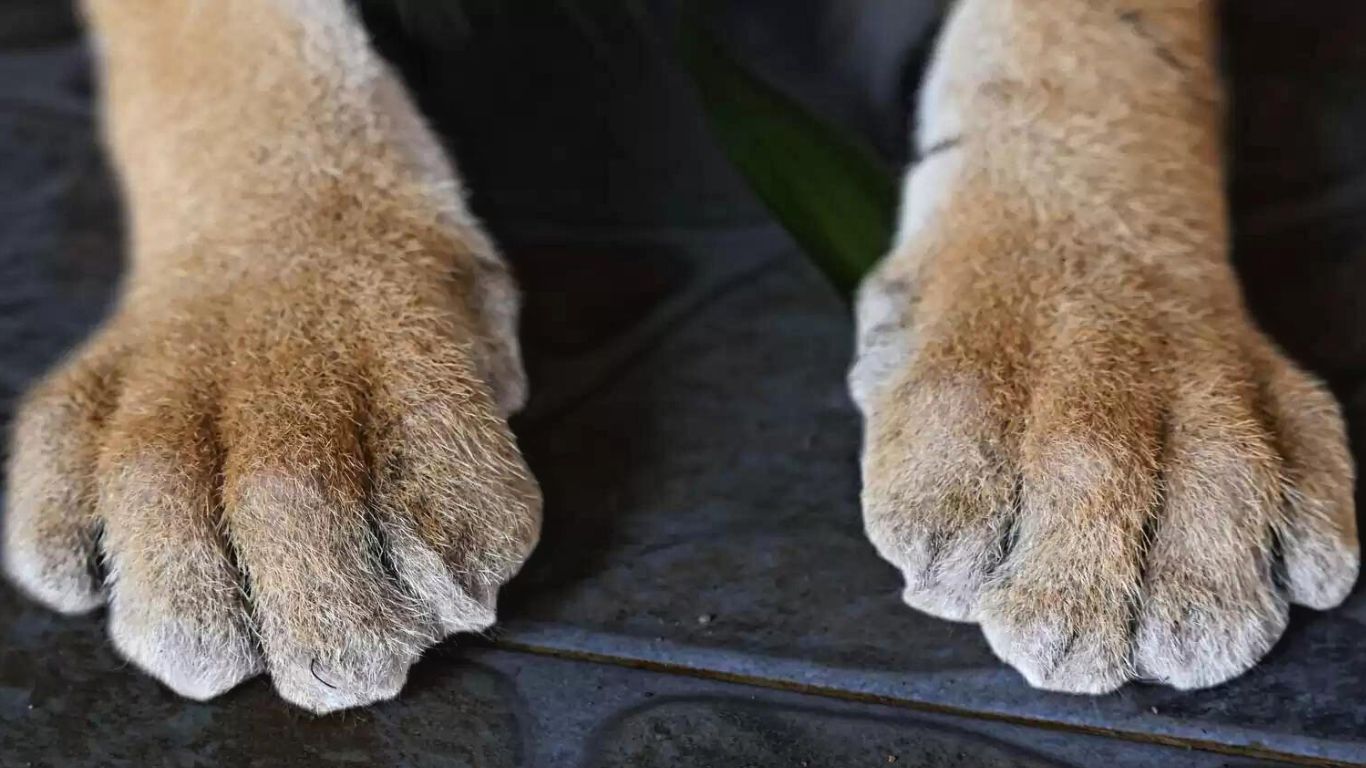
(59, 219)
(65, 700)
(600, 716)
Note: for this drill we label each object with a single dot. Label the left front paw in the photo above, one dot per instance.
(1115, 485)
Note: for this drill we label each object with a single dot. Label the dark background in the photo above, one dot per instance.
(703, 594)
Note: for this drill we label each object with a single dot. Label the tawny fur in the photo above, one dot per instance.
(1076, 437)
(287, 445)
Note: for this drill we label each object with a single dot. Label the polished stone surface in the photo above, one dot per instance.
(486, 708)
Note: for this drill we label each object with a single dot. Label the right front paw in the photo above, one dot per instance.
(320, 493)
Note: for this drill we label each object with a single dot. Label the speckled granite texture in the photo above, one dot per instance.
(704, 595)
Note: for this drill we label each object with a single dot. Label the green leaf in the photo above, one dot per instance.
(828, 189)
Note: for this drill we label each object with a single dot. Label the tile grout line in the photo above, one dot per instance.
(1216, 747)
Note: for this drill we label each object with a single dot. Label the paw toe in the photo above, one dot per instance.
(945, 574)
(1322, 579)
(196, 663)
(353, 677)
(948, 605)
(1055, 657)
(50, 529)
(61, 579)
(939, 489)
(1195, 641)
